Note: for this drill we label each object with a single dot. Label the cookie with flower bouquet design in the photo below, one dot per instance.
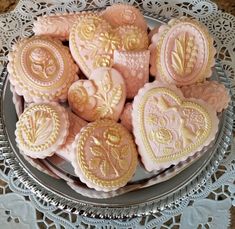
(104, 155)
(182, 52)
(169, 128)
(102, 96)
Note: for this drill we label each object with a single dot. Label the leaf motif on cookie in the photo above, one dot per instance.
(184, 55)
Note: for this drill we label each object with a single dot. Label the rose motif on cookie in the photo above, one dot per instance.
(41, 69)
(83, 98)
(104, 155)
(102, 96)
(169, 128)
(43, 63)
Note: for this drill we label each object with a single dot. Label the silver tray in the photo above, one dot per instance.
(138, 202)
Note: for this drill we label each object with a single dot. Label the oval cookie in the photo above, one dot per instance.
(103, 96)
(42, 129)
(211, 92)
(182, 52)
(41, 69)
(169, 128)
(104, 155)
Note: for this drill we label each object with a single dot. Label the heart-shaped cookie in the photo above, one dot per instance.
(169, 128)
(92, 42)
(103, 96)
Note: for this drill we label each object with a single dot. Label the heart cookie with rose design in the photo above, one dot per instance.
(103, 96)
(92, 42)
(169, 128)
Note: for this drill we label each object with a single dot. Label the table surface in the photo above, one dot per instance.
(224, 5)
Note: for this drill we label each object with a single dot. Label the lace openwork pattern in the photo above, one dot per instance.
(207, 206)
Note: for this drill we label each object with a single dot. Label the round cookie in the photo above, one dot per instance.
(104, 155)
(42, 129)
(41, 69)
(182, 52)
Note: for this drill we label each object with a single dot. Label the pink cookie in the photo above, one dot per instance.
(75, 125)
(92, 43)
(211, 92)
(133, 38)
(104, 155)
(103, 96)
(134, 67)
(124, 14)
(57, 25)
(169, 128)
(41, 69)
(17, 100)
(42, 129)
(152, 32)
(126, 116)
(182, 52)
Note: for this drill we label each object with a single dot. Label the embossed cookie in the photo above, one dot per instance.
(75, 125)
(169, 128)
(104, 155)
(126, 116)
(91, 44)
(57, 25)
(124, 14)
(211, 92)
(42, 129)
(103, 96)
(93, 41)
(182, 52)
(41, 69)
(134, 67)
(132, 38)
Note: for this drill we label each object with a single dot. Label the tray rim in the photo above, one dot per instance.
(113, 212)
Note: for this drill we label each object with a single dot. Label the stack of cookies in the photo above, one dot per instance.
(104, 92)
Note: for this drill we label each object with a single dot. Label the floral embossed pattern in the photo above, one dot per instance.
(105, 155)
(102, 96)
(170, 128)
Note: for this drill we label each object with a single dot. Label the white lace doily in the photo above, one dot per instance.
(208, 207)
